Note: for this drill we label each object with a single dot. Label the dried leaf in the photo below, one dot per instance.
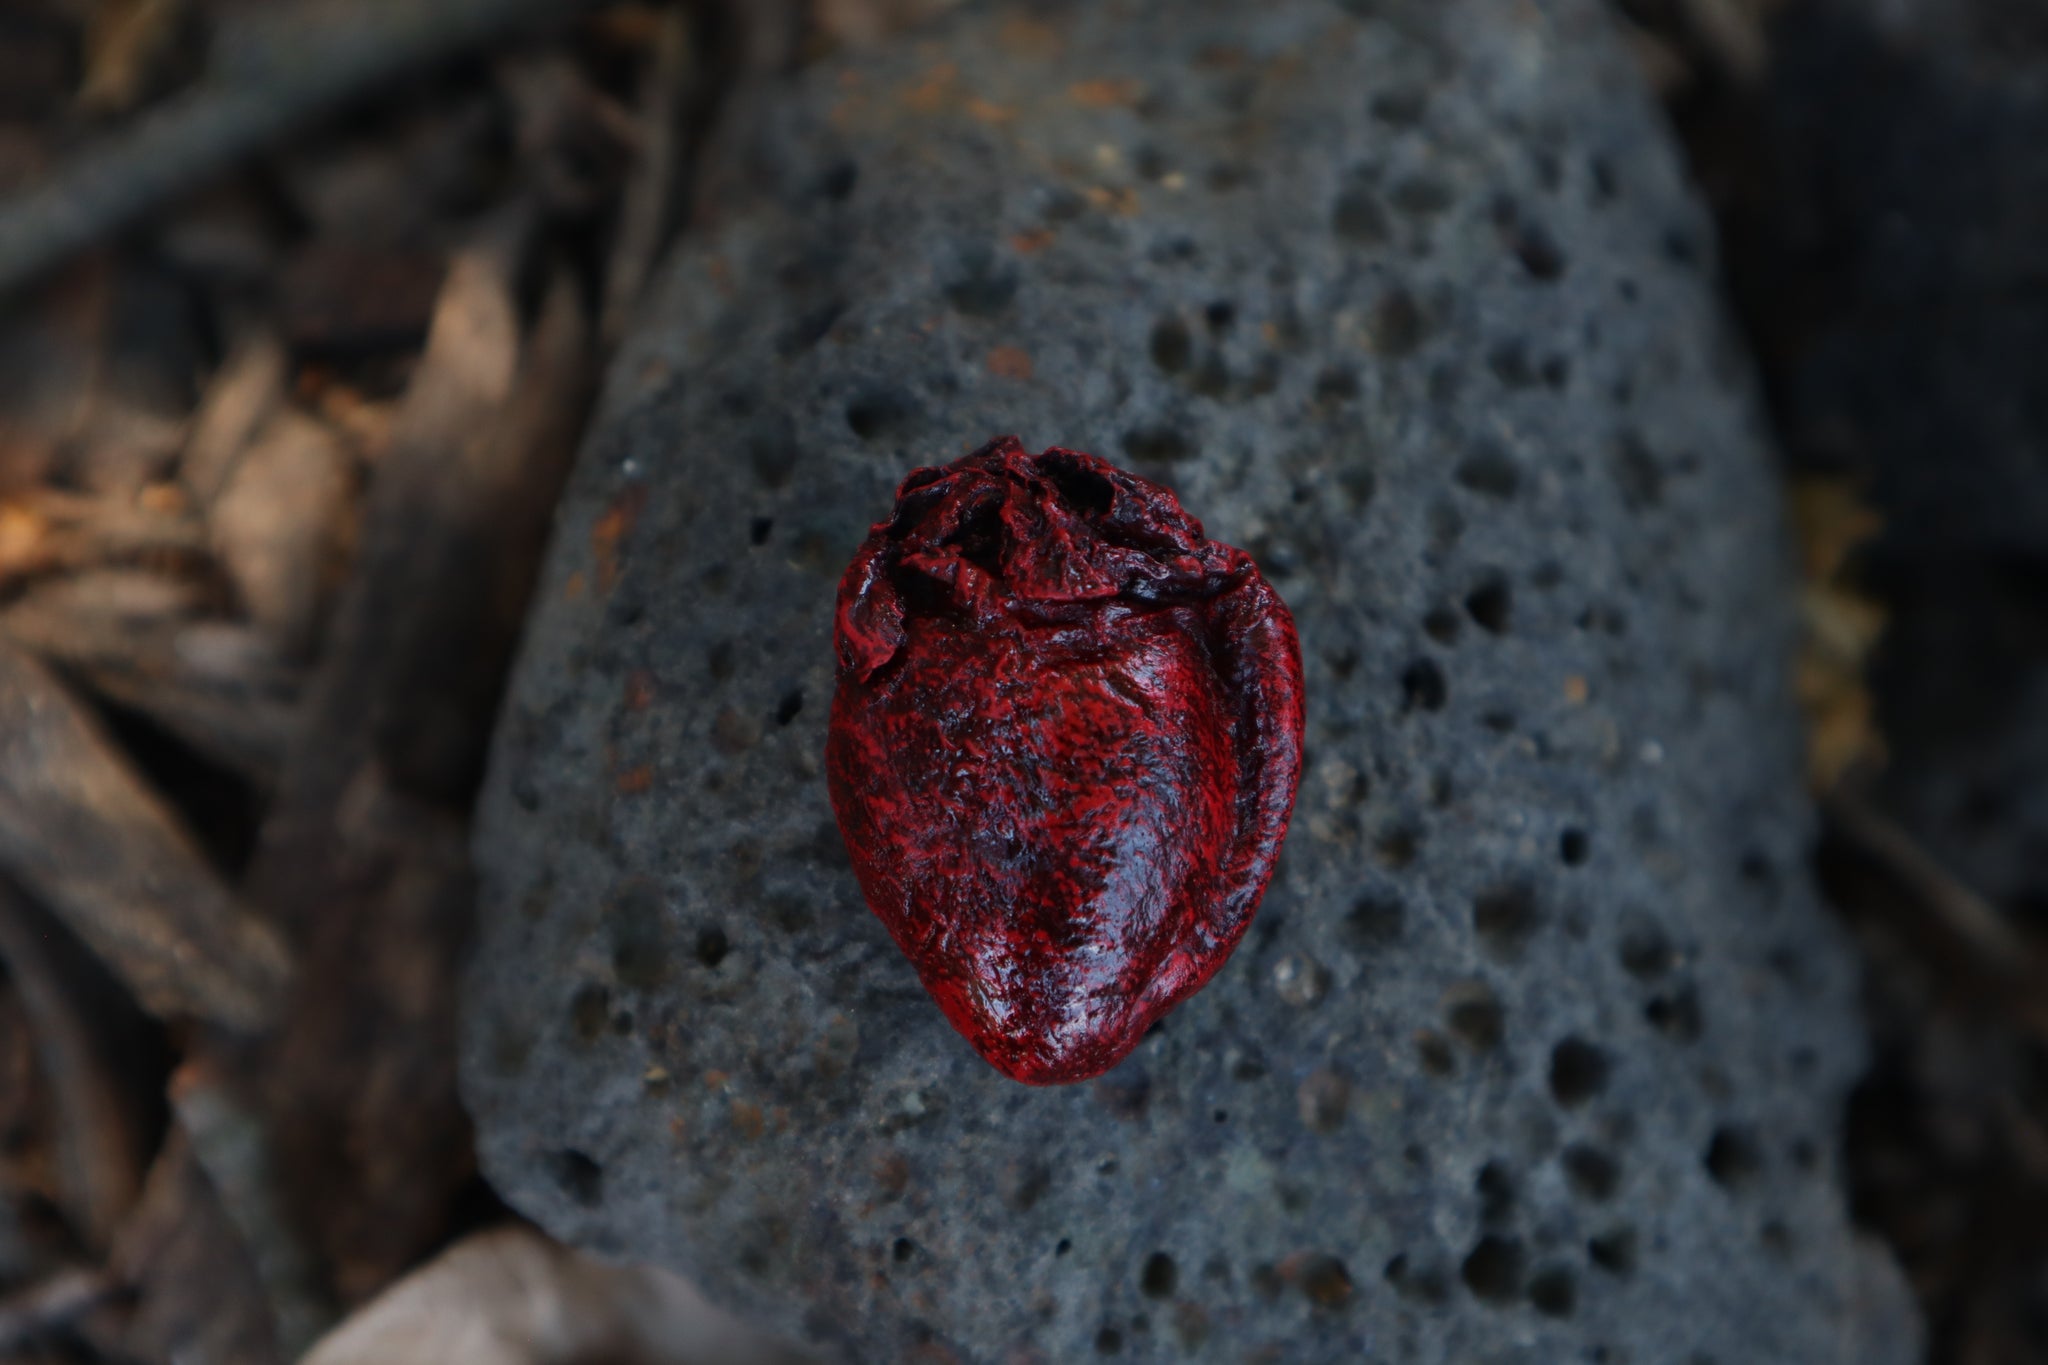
(365, 421)
(231, 1145)
(192, 1293)
(858, 23)
(132, 638)
(32, 1244)
(576, 142)
(280, 524)
(121, 445)
(369, 1131)
(102, 1137)
(83, 832)
(649, 192)
(509, 1296)
(48, 532)
(341, 297)
(49, 359)
(240, 398)
(128, 47)
(48, 1306)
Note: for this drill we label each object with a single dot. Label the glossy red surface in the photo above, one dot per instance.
(1063, 749)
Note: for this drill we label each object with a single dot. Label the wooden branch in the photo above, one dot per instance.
(271, 74)
(82, 831)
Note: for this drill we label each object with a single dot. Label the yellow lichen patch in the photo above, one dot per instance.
(1833, 522)
(932, 90)
(610, 529)
(1106, 94)
(1029, 37)
(1009, 362)
(639, 689)
(1120, 200)
(1841, 627)
(748, 1119)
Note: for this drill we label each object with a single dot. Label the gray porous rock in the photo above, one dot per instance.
(1536, 1050)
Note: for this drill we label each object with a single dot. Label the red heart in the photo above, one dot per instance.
(1063, 751)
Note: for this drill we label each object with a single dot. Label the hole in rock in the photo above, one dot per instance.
(1504, 918)
(1162, 444)
(1423, 686)
(1614, 1251)
(1374, 923)
(1578, 1071)
(1489, 605)
(1645, 950)
(1574, 847)
(1423, 1284)
(577, 1176)
(1676, 1015)
(879, 413)
(1592, 1173)
(1173, 350)
(1490, 472)
(1493, 1270)
(1734, 1158)
(1326, 1282)
(1554, 1292)
(1495, 1186)
(1475, 1016)
(1159, 1277)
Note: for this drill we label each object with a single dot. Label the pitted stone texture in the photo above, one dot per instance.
(1534, 1053)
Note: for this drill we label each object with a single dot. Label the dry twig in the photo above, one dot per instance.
(649, 194)
(135, 639)
(230, 1144)
(270, 75)
(50, 1305)
(189, 1292)
(82, 831)
(364, 854)
(101, 1143)
(1966, 917)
